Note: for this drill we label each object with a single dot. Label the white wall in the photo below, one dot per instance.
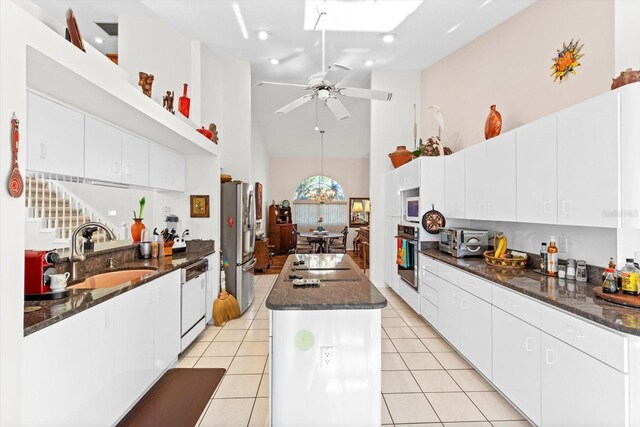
(391, 125)
(627, 35)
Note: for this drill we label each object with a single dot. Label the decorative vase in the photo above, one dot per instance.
(184, 102)
(493, 125)
(400, 156)
(626, 77)
(206, 132)
(136, 229)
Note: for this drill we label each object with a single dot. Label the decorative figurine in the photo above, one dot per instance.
(214, 132)
(167, 102)
(566, 61)
(16, 184)
(145, 81)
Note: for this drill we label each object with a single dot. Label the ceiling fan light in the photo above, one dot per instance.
(323, 94)
(388, 38)
(274, 61)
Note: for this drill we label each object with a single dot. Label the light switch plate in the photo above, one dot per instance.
(327, 357)
(563, 245)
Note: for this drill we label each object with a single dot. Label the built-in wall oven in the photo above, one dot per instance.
(408, 243)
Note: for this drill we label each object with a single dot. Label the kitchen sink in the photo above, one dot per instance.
(112, 278)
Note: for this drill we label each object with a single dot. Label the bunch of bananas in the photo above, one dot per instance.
(501, 247)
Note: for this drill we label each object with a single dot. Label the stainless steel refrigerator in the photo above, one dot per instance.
(238, 235)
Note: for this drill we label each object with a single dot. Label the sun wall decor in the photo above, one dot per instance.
(567, 60)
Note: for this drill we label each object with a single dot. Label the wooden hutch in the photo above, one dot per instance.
(280, 229)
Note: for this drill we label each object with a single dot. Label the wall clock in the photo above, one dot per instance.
(200, 206)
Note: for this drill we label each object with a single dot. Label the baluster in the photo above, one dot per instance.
(35, 205)
(57, 224)
(29, 193)
(64, 215)
(49, 217)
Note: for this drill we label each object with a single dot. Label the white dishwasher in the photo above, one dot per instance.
(193, 302)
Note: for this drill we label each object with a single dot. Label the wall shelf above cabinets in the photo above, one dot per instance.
(63, 141)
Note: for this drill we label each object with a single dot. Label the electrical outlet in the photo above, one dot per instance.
(327, 357)
(112, 213)
(166, 211)
(563, 245)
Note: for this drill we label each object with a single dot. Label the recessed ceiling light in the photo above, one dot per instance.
(243, 27)
(263, 35)
(98, 40)
(368, 62)
(455, 27)
(388, 38)
(484, 3)
(274, 61)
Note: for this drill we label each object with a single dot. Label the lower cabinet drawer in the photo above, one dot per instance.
(410, 296)
(470, 283)
(429, 312)
(429, 293)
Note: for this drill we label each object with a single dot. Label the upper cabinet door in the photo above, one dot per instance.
(454, 186)
(431, 183)
(102, 151)
(135, 160)
(536, 170)
(588, 138)
(166, 168)
(500, 177)
(630, 153)
(409, 175)
(55, 138)
(475, 161)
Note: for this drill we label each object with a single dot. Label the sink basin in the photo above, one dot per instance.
(111, 279)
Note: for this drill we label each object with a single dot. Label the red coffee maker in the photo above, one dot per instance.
(38, 266)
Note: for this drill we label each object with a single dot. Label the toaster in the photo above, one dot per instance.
(462, 242)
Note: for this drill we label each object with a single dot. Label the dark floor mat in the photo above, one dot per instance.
(176, 400)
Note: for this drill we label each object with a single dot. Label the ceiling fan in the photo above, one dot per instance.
(325, 86)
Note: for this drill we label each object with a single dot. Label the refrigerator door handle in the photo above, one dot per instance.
(252, 222)
(250, 265)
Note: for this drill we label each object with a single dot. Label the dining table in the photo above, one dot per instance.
(322, 238)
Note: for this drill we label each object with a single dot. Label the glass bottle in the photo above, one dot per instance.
(610, 284)
(629, 275)
(581, 271)
(543, 257)
(552, 257)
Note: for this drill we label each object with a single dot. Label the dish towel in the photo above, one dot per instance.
(401, 258)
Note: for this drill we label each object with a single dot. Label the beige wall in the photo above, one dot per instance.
(509, 66)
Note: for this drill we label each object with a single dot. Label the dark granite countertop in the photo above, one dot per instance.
(344, 289)
(82, 299)
(575, 297)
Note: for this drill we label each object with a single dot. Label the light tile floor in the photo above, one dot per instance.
(425, 382)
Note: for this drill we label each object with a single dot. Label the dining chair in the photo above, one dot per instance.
(302, 245)
(340, 244)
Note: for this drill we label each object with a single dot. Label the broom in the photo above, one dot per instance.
(225, 307)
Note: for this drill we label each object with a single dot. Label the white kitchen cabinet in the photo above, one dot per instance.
(133, 341)
(166, 321)
(55, 138)
(449, 321)
(391, 276)
(475, 169)
(536, 166)
(409, 175)
(629, 155)
(454, 185)
(166, 169)
(393, 205)
(67, 368)
(500, 177)
(102, 151)
(431, 184)
(135, 160)
(516, 362)
(588, 136)
(578, 390)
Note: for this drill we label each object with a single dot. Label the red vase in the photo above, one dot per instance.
(136, 229)
(400, 156)
(493, 125)
(184, 102)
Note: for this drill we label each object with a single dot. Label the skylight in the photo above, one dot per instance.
(379, 16)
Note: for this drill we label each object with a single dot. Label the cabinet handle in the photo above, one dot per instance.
(548, 357)
(566, 207)
(43, 151)
(107, 320)
(512, 305)
(454, 298)
(527, 344)
(576, 333)
(481, 207)
(462, 305)
(491, 208)
(546, 207)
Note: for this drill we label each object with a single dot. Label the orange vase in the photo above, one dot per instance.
(136, 229)
(400, 156)
(493, 125)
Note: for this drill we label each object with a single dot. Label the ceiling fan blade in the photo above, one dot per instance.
(356, 92)
(295, 104)
(337, 108)
(335, 74)
(283, 84)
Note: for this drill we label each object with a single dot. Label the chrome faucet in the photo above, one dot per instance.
(75, 256)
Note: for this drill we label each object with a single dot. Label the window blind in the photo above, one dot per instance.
(336, 215)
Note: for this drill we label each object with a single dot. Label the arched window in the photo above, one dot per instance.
(307, 187)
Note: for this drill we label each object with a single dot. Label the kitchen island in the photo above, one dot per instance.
(325, 345)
